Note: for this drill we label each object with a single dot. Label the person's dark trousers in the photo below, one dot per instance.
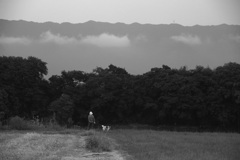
(90, 125)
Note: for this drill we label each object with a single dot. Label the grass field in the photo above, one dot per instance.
(163, 145)
(132, 145)
(64, 145)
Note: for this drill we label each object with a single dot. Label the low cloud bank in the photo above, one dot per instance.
(14, 40)
(102, 40)
(107, 40)
(48, 37)
(187, 39)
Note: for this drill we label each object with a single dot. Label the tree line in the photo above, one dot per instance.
(162, 96)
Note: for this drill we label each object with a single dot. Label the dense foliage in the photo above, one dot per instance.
(162, 96)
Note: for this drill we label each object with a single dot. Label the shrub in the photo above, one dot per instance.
(99, 143)
(55, 127)
(88, 133)
(18, 123)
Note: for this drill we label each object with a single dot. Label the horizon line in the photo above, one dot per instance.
(134, 23)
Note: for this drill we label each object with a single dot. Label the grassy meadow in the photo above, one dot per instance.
(32, 145)
(129, 144)
(56, 145)
(165, 145)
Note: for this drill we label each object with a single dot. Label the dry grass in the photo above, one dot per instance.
(139, 144)
(49, 145)
(162, 145)
(38, 146)
(99, 142)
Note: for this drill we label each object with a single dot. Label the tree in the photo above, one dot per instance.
(3, 101)
(20, 79)
(63, 108)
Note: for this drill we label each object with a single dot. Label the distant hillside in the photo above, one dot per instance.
(34, 29)
(136, 47)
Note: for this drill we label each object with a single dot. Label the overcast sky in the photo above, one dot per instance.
(184, 12)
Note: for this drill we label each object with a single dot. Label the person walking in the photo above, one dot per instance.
(91, 120)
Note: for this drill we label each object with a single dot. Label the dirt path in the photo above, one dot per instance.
(114, 155)
(80, 153)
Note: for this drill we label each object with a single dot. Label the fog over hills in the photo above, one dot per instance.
(135, 47)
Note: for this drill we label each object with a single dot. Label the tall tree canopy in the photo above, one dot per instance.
(161, 96)
(23, 88)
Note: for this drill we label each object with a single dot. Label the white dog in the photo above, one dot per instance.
(106, 128)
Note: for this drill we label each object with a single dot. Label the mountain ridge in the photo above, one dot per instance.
(136, 47)
(29, 28)
(137, 23)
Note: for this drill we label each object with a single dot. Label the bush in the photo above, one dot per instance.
(18, 123)
(88, 133)
(99, 143)
(55, 127)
